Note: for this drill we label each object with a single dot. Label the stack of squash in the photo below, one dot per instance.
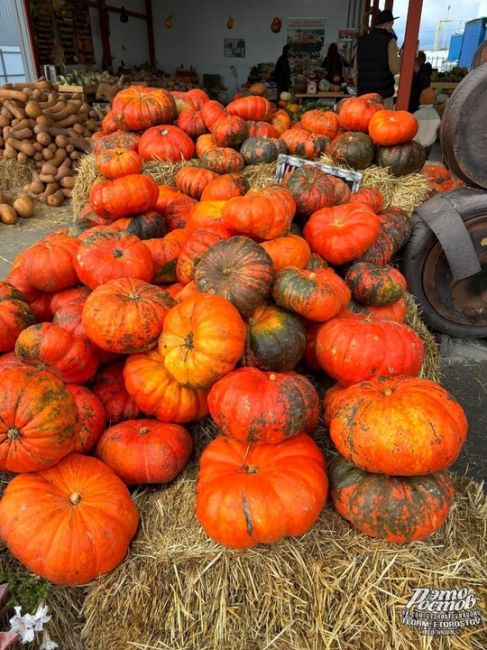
(165, 304)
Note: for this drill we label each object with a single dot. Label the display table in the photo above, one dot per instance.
(339, 94)
(444, 85)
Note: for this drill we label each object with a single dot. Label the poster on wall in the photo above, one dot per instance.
(234, 47)
(307, 37)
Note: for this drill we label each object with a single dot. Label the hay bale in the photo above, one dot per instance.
(86, 175)
(13, 176)
(431, 363)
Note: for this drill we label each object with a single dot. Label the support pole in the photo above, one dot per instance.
(389, 4)
(150, 32)
(409, 54)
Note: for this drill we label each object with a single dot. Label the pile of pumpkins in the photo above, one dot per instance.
(163, 305)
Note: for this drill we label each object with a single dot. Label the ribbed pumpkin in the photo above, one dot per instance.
(281, 121)
(398, 509)
(251, 108)
(112, 255)
(402, 159)
(375, 285)
(125, 315)
(202, 340)
(61, 298)
(355, 348)
(37, 419)
(369, 196)
(275, 339)
(167, 197)
(49, 346)
(127, 195)
(137, 107)
(68, 316)
(110, 389)
(313, 189)
(198, 97)
(257, 494)
(144, 226)
(91, 418)
(15, 315)
(222, 160)
(166, 143)
(342, 233)
(203, 214)
(211, 111)
(265, 213)
(48, 265)
(107, 124)
(354, 149)
(204, 143)
(300, 142)
(145, 451)
(165, 253)
(39, 301)
(380, 251)
(394, 311)
(117, 139)
(387, 128)
(322, 122)
(156, 392)
(57, 521)
(289, 250)
(191, 122)
(229, 131)
(261, 130)
(356, 112)
(397, 224)
(261, 150)
(195, 247)
(193, 180)
(222, 188)
(237, 269)
(316, 295)
(402, 426)
(331, 401)
(114, 163)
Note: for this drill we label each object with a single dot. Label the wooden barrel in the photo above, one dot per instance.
(464, 129)
(480, 55)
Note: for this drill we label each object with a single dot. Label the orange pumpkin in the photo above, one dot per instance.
(261, 130)
(202, 339)
(251, 108)
(108, 124)
(222, 188)
(257, 494)
(91, 418)
(222, 160)
(387, 128)
(211, 111)
(15, 315)
(198, 97)
(37, 419)
(193, 180)
(356, 112)
(304, 144)
(167, 143)
(191, 122)
(174, 206)
(204, 214)
(281, 121)
(138, 107)
(289, 250)
(114, 163)
(165, 253)
(402, 426)
(394, 311)
(110, 389)
(126, 195)
(322, 122)
(57, 521)
(369, 196)
(204, 143)
(48, 265)
(195, 247)
(229, 131)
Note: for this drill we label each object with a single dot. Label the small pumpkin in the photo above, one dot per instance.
(125, 315)
(288, 250)
(237, 269)
(229, 131)
(156, 393)
(313, 189)
(398, 509)
(388, 128)
(127, 195)
(204, 214)
(251, 108)
(195, 247)
(91, 418)
(316, 295)
(402, 159)
(401, 426)
(193, 180)
(39, 301)
(342, 233)
(203, 144)
(48, 265)
(145, 451)
(167, 143)
(281, 121)
(211, 111)
(261, 150)
(355, 348)
(138, 107)
(300, 142)
(261, 130)
(57, 521)
(117, 139)
(369, 196)
(222, 160)
(222, 188)
(375, 285)
(202, 340)
(356, 150)
(356, 112)
(191, 122)
(165, 253)
(322, 122)
(275, 339)
(144, 226)
(380, 251)
(110, 389)
(239, 485)
(114, 163)
(37, 419)
(397, 224)
(15, 315)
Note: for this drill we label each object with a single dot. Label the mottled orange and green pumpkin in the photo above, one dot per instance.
(313, 189)
(193, 180)
(195, 247)
(48, 264)
(380, 251)
(275, 339)
(251, 405)
(355, 348)
(288, 250)
(251, 108)
(138, 107)
(191, 122)
(370, 196)
(402, 426)
(114, 163)
(398, 509)
(229, 131)
(257, 494)
(222, 160)
(375, 285)
(281, 121)
(109, 387)
(322, 122)
(237, 269)
(204, 143)
(396, 224)
(144, 226)
(117, 139)
(353, 149)
(261, 129)
(257, 150)
(91, 418)
(15, 315)
(316, 295)
(37, 419)
(165, 253)
(304, 144)
(394, 311)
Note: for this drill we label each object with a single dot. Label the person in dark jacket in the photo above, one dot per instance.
(282, 71)
(333, 63)
(421, 80)
(377, 59)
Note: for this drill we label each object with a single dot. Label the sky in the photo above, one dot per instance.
(434, 10)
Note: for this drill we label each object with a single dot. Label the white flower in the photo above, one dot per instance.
(41, 617)
(47, 642)
(24, 625)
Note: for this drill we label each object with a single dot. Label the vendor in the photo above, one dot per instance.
(334, 65)
(282, 71)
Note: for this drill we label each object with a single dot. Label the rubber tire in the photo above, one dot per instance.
(470, 203)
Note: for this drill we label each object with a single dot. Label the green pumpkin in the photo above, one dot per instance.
(262, 150)
(275, 339)
(402, 159)
(356, 150)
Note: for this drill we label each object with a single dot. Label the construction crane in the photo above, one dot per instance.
(440, 24)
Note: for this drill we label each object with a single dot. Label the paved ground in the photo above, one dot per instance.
(464, 363)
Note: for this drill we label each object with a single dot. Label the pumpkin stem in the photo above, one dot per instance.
(133, 295)
(312, 276)
(227, 271)
(272, 376)
(117, 253)
(75, 498)
(388, 392)
(250, 469)
(143, 431)
(13, 433)
(188, 341)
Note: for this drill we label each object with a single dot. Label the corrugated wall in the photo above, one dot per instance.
(9, 34)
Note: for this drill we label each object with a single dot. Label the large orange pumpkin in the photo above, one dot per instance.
(70, 523)
(355, 348)
(114, 163)
(251, 405)
(165, 253)
(402, 426)
(130, 194)
(225, 187)
(289, 250)
(137, 107)
(15, 315)
(191, 122)
(156, 392)
(356, 112)
(398, 509)
(125, 315)
(229, 131)
(110, 389)
(37, 419)
(202, 339)
(48, 265)
(166, 143)
(91, 418)
(251, 108)
(322, 122)
(257, 494)
(388, 128)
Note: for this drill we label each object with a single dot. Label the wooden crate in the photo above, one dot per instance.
(87, 90)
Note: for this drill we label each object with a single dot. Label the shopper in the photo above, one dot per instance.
(334, 65)
(428, 120)
(377, 59)
(421, 80)
(282, 71)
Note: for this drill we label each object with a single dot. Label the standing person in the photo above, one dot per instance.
(282, 71)
(421, 80)
(333, 63)
(377, 59)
